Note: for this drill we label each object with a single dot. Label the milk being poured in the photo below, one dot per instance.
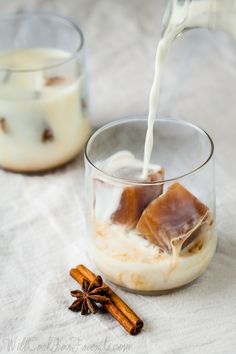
(182, 15)
(163, 47)
(162, 50)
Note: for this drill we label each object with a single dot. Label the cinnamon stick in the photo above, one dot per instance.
(120, 304)
(110, 307)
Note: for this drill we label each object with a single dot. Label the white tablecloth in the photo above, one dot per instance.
(42, 218)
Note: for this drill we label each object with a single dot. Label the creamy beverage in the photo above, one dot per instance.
(132, 262)
(119, 246)
(43, 115)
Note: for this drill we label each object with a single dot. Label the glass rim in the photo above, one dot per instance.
(142, 118)
(59, 18)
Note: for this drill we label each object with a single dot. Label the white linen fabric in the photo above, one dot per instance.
(43, 218)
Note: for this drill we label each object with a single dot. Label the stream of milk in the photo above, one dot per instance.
(184, 15)
(175, 25)
(162, 50)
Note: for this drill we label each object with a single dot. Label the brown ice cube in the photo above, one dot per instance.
(135, 199)
(55, 80)
(199, 231)
(171, 216)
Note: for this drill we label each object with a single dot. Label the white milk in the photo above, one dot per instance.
(161, 54)
(43, 121)
(163, 47)
(133, 262)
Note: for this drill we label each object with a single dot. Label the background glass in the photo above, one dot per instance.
(43, 103)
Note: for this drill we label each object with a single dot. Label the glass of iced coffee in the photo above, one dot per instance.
(43, 103)
(155, 233)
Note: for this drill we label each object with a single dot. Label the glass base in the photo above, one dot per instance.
(156, 292)
(47, 170)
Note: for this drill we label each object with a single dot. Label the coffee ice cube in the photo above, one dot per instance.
(171, 217)
(134, 199)
(54, 80)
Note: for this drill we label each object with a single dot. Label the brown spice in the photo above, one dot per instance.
(128, 312)
(116, 307)
(93, 292)
(47, 135)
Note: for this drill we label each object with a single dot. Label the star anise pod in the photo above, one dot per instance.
(92, 293)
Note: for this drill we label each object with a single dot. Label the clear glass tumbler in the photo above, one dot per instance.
(43, 103)
(156, 234)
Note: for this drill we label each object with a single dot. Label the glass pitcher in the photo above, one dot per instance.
(182, 15)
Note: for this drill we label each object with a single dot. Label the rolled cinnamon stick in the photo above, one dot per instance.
(120, 304)
(110, 307)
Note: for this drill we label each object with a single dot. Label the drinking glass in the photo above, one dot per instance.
(43, 101)
(157, 234)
